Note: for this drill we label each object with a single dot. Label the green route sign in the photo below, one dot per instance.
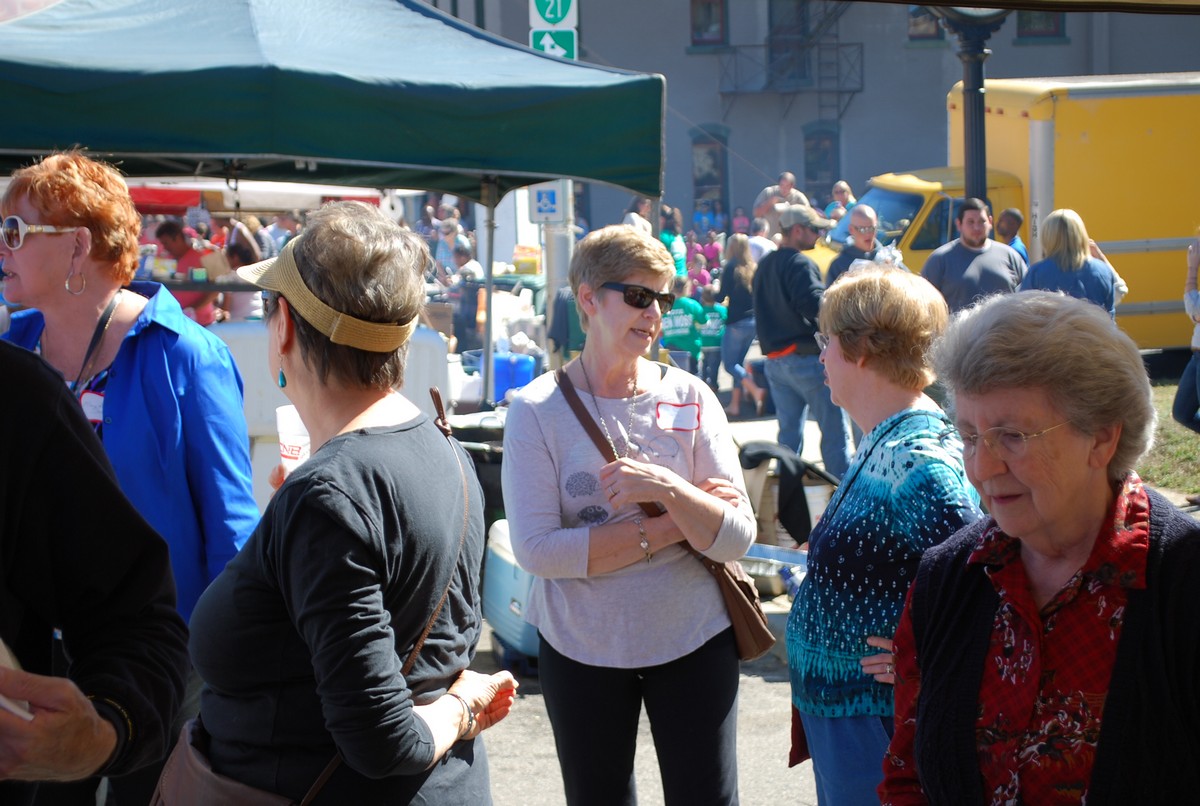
(560, 42)
(553, 14)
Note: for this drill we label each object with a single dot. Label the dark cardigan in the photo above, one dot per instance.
(1149, 746)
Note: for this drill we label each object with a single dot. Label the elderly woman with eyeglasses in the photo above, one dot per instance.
(162, 392)
(1050, 653)
(345, 626)
(905, 491)
(627, 615)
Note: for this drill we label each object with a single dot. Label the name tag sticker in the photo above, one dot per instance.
(93, 406)
(678, 416)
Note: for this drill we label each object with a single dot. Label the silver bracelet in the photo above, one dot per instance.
(645, 541)
(470, 715)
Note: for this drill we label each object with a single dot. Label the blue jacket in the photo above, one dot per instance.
(175, 432)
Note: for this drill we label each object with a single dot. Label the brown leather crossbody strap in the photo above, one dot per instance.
(443, 426)
(593, 430)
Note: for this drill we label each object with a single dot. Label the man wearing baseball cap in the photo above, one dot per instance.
(787, 297)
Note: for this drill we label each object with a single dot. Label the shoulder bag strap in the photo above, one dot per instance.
(593, 430)
(444, 427)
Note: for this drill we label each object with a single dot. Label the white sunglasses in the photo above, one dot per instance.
(15, 229)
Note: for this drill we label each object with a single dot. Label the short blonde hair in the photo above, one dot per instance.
(1071, 349)
(70, 189)
(1065, 239)
(888, 316)
(611, 255)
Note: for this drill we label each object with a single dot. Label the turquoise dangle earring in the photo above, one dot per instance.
(282, 378)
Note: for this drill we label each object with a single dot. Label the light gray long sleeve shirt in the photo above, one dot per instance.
(646, 613)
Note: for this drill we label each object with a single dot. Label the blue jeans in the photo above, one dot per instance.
(847, 754)
(1187, 397)
(798, 384)
(734, 346)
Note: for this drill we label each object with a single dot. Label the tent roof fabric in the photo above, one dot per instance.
(372, 93)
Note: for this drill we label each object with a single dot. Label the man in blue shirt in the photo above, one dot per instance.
(1008, 225)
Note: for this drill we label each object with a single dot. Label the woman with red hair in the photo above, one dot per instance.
(163, 393)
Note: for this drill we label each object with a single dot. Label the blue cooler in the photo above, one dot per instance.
(506, 589)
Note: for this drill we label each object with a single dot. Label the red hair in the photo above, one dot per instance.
(71, 189)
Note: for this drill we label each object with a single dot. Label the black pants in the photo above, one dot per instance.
(691, 703)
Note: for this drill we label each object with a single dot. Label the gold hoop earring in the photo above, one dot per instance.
(82, 286)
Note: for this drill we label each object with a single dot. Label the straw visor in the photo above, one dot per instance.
(281, 274)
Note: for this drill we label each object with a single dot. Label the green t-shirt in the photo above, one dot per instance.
(678, 249)
(681, 326)
(713, 329)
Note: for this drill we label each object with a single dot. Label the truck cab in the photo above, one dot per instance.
(916, 211)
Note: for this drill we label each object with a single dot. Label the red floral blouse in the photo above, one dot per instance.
(1041, 700)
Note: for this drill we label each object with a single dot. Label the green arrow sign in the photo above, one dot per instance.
(557, 42)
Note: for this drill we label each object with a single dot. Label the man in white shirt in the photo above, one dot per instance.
(761, 244)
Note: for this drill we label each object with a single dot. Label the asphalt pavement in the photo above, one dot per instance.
(524, 767)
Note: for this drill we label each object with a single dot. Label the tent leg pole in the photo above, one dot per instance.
(486, 369)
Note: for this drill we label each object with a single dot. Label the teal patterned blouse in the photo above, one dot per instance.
(905, 491)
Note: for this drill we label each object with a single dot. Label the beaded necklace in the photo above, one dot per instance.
(600, 415)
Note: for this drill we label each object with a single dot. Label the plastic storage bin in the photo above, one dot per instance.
(506, 588)
(763, 563)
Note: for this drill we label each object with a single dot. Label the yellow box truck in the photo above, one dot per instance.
(1116, 149)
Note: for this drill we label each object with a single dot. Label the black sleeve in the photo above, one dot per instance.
(80, 558)
(804, 288)
(327, 558)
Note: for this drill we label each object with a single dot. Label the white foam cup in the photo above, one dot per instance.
(293, 437)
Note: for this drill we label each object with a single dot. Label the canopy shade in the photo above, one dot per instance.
(370, 93)
(1134, 6)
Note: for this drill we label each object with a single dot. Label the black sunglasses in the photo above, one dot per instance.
(641, 297)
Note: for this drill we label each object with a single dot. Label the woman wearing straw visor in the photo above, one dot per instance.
(303, 641)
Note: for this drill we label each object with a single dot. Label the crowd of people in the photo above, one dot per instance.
(996, 606)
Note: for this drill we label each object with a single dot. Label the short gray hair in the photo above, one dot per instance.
(358, 261)
(1070, 348)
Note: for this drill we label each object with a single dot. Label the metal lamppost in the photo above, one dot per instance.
(973, 26)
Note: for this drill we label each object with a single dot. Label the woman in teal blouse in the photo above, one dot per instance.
(905, 491)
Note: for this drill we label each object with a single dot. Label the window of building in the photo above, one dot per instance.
(923, 25)
(822, 158)
(1041, 25)
(788, 44)
(708, 22)
(709, 168)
